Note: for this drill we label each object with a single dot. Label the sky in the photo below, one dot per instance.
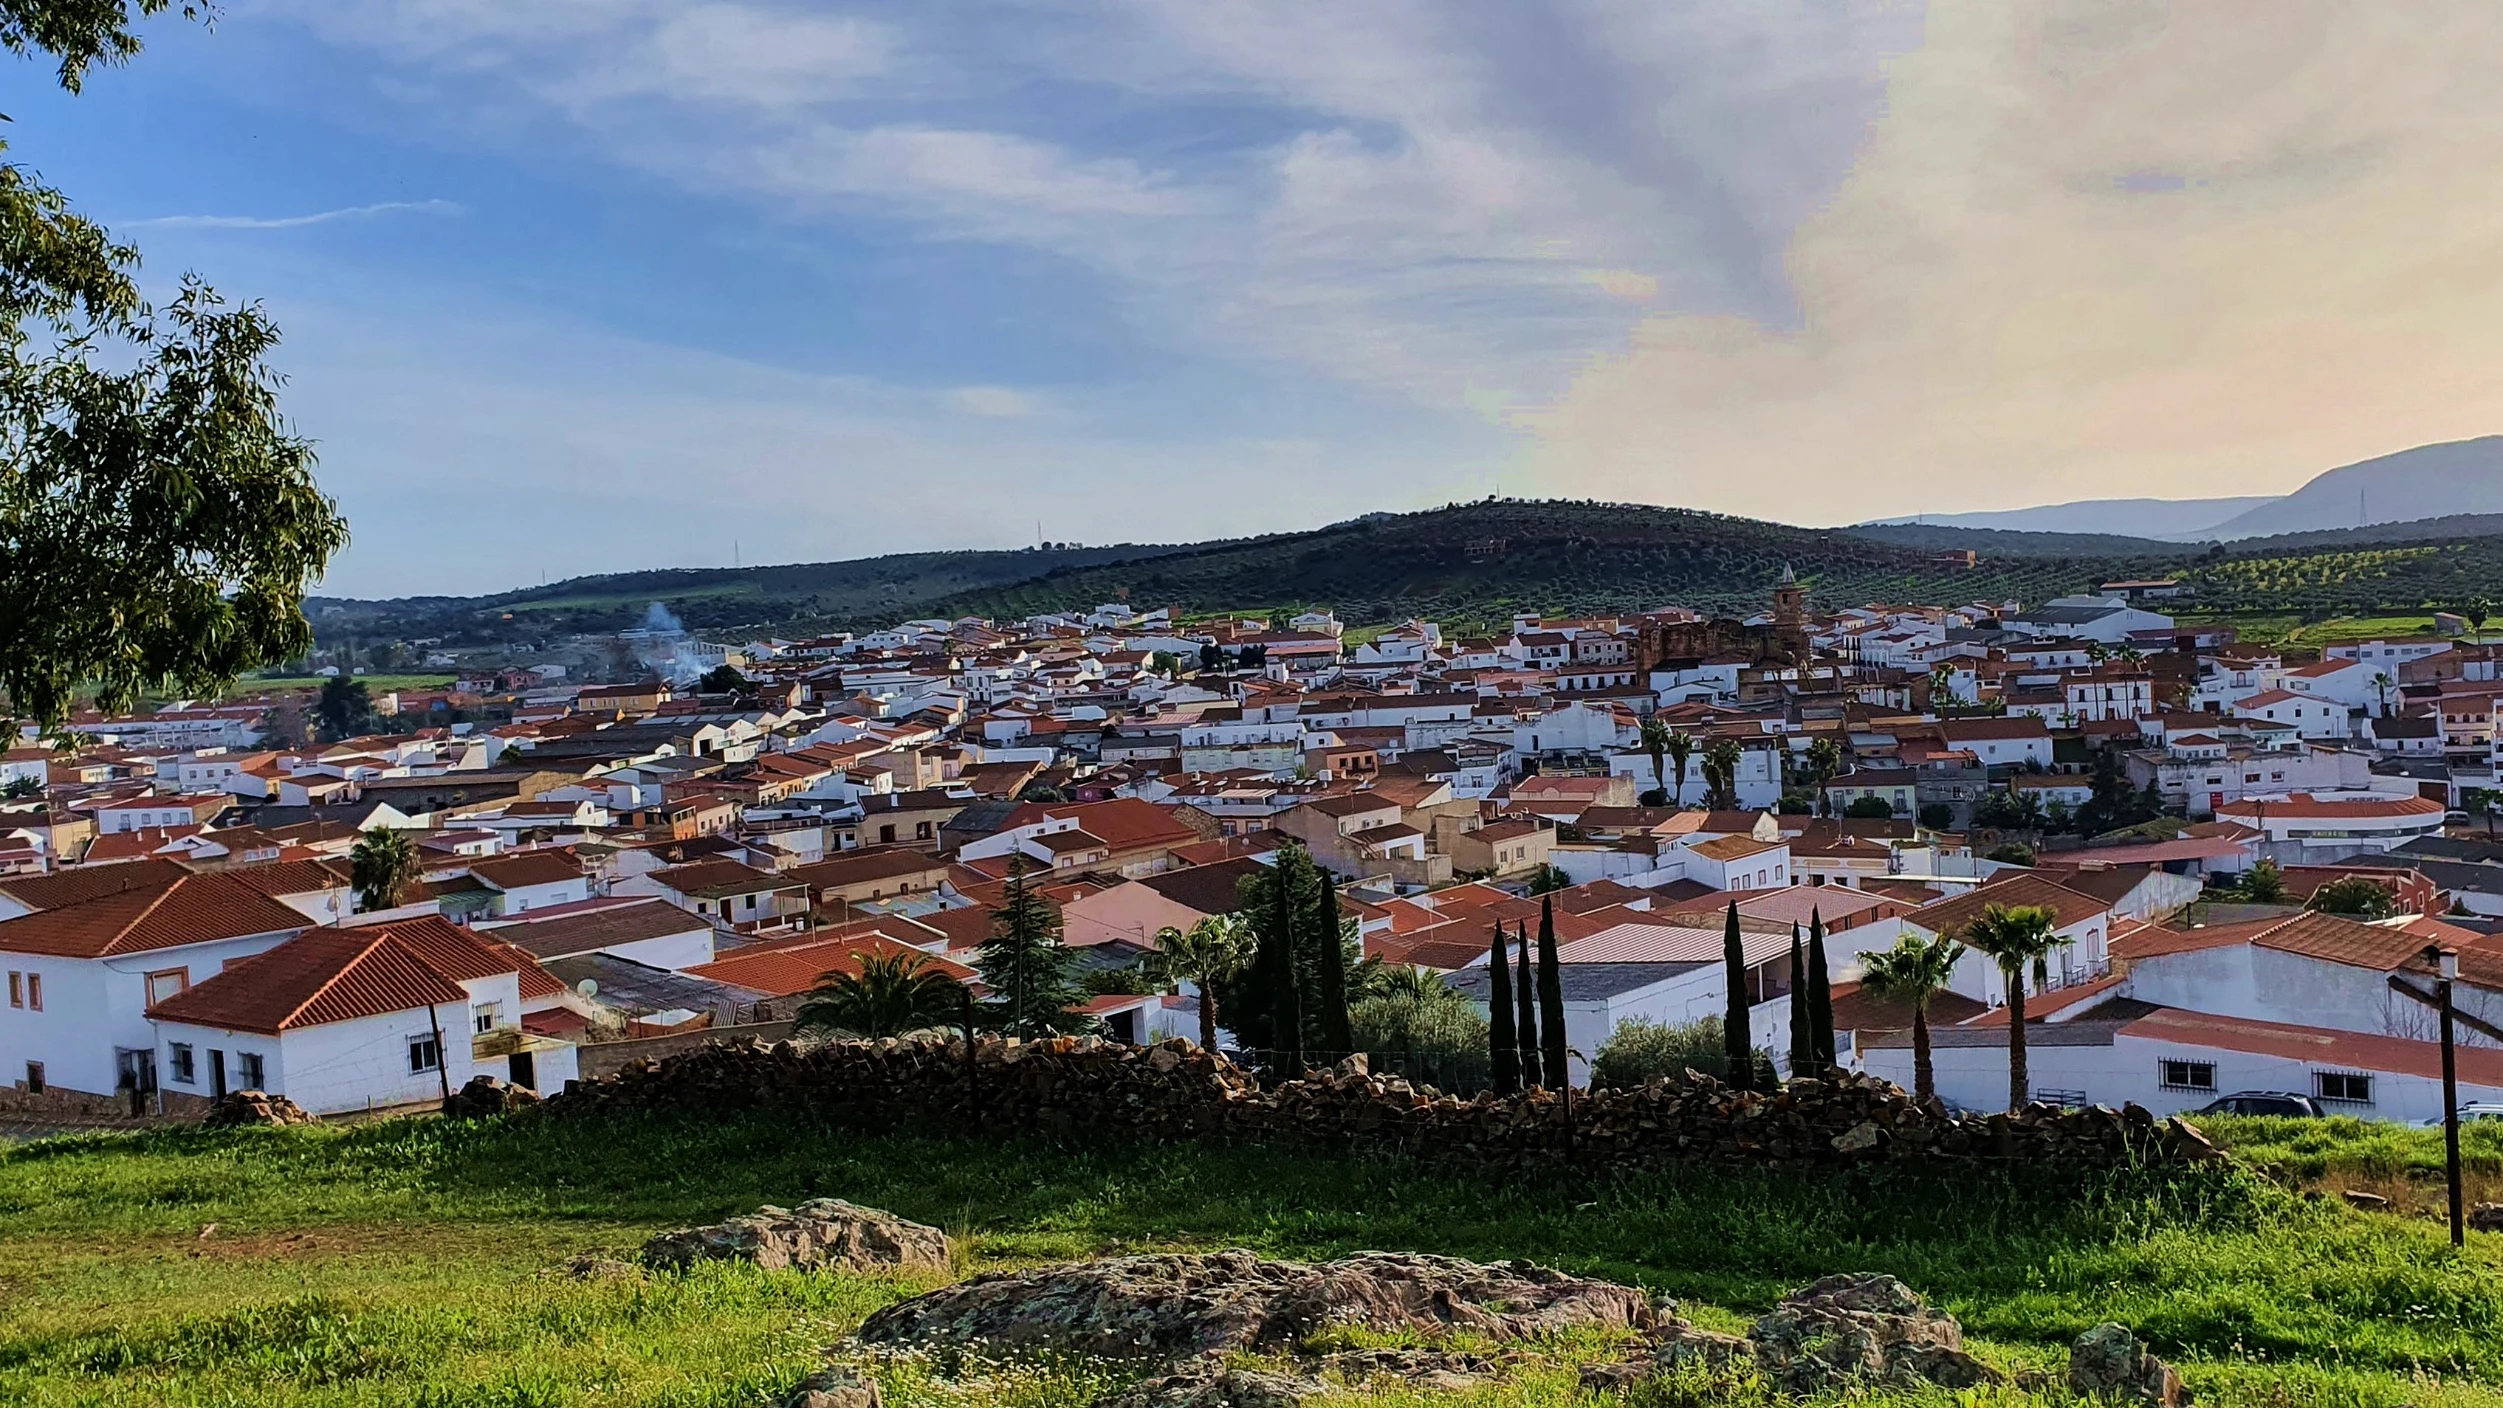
(593, 285)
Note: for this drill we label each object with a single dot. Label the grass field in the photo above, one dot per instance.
(2279, 628)
(417, 1262)
(374, 684)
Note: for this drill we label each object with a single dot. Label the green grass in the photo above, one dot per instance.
(376, 684)
(2283, 628)
(416, 1262)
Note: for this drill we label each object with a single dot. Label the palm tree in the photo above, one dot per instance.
(1824, 760)
(893, 993)
(1942, 682)
(2017, 938)
(1654, 737)
(1720, 773)
(1913, 972)
(383, 868)
(2382, 685)
(1214, 950)
(1679, 747)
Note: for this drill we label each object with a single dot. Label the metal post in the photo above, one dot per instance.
(2446, 968)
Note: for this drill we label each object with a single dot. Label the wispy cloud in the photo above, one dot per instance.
(291, 222)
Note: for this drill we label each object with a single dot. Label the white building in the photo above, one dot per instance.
(353, 1019)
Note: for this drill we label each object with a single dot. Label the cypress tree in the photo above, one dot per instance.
(1802, 1026)
(1502, 1041)
(1286, 1013)
(1337, 1031)
(1030, 972)
(1553, 1055)
(1737, 1046)
(1820, 994)
(1525, 1004)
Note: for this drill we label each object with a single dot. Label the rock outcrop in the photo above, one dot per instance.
(1863, 1329)
(826, 1234)
(1184, 1305)
(835, 1387)
(2108, 1362)
(1083, 1088)
(242, 1107)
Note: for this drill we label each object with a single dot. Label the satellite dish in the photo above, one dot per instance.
(588, 987)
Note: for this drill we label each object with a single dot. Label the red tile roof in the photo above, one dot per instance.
(191, 909)
(795, 968)
(316, 978)
(522, 868)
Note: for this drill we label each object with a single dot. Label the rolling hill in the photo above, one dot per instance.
(2172, 520)
(1475, 565)
(2430, 481)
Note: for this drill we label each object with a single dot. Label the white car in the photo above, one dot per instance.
(2470, 1113)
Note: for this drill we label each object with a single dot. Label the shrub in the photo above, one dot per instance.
(1640, 1048)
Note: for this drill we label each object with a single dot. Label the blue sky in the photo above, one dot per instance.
(581, 285)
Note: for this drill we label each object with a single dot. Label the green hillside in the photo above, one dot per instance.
(1477, 564)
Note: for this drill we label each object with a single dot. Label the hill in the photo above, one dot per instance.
(1475, 565)
(2177, 520)
(2002, 542)
(2430, 481)
(873, 590)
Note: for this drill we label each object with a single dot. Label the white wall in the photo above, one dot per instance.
(94, 1007)
(336, 1067)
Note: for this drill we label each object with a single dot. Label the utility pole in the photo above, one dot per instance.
(2447, 968)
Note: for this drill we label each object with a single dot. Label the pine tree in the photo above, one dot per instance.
(1329, 936)
(1802, 1027)
(1525, 1005)
(1503, 1044)
(1029, 971)
(1554, 1056)
(1820, 995)
(1737, 1046)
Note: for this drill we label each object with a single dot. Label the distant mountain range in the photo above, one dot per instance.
(2430, 481)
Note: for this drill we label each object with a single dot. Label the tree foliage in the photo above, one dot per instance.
(1030, 972)
(382, 868)
(2356, 897)
(2020, 939)
(1912, 972)
(891, 995)
(159, 522)
(1211, 952)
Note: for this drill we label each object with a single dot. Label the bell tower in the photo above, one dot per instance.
(1790, 614)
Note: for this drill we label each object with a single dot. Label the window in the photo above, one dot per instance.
(2189, 1075)
(179, 1063)
(424, 1054)
(34, 992)
(253, 1071)
(167, 983)
(34, 1077)
(2345, 1087)
(17, 989)
(486, 1016)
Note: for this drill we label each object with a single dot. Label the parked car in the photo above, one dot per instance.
(2470, 1113)
(2264, 1102)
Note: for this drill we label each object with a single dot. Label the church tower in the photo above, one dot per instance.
(1790, 615)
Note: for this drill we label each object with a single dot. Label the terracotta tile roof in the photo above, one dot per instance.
(1950, 916)
(866, 867)
(77, 884)
(1729, 848)
(2478, 1065)
(795, 968)
(1856, 1010)
(318, 977)
(2310, 805)
(290, 877)
(596, 929)
(1124, 823)
(192, 909)
(527, 868)
(720, 877)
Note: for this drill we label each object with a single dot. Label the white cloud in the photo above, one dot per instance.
(290, 222)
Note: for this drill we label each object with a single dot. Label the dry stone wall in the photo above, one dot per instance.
(1173, 1091)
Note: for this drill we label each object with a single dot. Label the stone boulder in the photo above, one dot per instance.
(1674, 1345)
(1183, 1305)
(484, 1097)
(2108, 1362)
(826, 1234)
(1862, 1329)
(836, 1387)
(243, 1107)
(1212, 1385)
